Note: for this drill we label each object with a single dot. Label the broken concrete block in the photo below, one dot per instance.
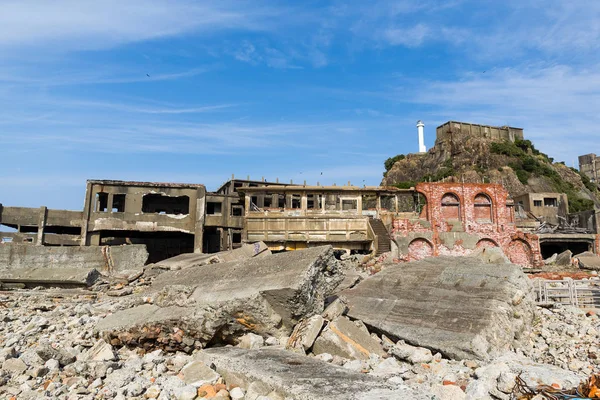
(337, 308)
(551, 260)
(299, 377)
(101, 351)
(198, 374)
(564, 259)
(412, 354)
(345, 338)
(461, 307)
(50, 276)
(588, 260)
(305, 333)
(188, 260)
(14, 366)
(106, 259)
(266, 296)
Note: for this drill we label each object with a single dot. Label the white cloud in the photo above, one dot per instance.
(556, 105)
(87, 25)
(409, 37)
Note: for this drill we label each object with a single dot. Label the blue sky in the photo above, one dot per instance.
(194, 91)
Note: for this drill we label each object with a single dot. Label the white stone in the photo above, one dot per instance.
(448, 392)
(236, 393)
(197, 374)
(412, 354)
(251, 341)
(186, 393)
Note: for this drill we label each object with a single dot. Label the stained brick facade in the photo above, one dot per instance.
(460, 218)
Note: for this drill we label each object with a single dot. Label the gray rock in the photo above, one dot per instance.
(197, 374)
(458, 306)
(337, 308)
(300, 377)
(14, 366)
(412, 354)
(344, 338)
(101, 351)
(186, 393)
(62, 355)
(564, 259)
(448, 392)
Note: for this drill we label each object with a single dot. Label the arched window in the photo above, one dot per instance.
(483, 208)
(450, 206)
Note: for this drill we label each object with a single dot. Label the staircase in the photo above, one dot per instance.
(383, 237)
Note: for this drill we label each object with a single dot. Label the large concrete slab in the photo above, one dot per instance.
(459, 306)
(298, 377)
(106, 259)
(50, 276)
(266, 295)
(188, 260)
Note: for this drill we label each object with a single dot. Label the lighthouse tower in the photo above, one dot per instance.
(420, 126)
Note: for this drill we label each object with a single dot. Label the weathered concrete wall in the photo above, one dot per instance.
(104, 259)
(461, 218)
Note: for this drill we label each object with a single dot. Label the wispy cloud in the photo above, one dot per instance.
(557, 104)
(65, 25)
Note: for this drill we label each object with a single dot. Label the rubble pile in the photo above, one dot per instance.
(567, 337)
(258, 329)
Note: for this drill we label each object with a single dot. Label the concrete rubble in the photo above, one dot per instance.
(194, 306)
(202, 332)
(188, 260)
(461, 307)
(293, 376)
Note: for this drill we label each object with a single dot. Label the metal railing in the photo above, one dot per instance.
(578, 293)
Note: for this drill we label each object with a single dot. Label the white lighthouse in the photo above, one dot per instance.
(420, 126)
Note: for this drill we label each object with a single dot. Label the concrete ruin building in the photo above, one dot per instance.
(169, 218)
(428, 220)
(445, 132)
(589, 164)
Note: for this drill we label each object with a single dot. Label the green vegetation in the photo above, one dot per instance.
(389, 163)
(528, 161)
(405, 184)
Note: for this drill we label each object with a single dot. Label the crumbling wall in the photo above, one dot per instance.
(459, 219)
(103, 258)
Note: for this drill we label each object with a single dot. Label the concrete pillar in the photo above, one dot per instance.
(199, 214)
(86, 214)
(41, 225)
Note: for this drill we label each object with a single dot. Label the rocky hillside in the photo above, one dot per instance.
(519, 166)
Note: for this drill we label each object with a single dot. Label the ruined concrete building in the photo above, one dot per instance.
(590, 166)
(445, 131)
(428, 220)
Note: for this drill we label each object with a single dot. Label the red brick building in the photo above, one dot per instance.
(458, 219)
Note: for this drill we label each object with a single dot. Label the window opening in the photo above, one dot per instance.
(537, 203)
(102, 202)
(161, 204)
(118, 203)
(213, 208)
(550, 202)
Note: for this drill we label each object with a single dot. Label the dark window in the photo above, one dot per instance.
(313, 201)
(550, 202)
(213, 208)
(281, 201)
(296, 201)
(537, 203)
(237, 210)
(267, 201)
(101, 202)
(236, 237)
(118, 203)
(161, 204)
